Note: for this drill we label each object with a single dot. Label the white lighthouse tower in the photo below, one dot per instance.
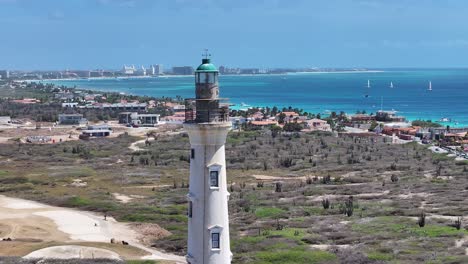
(207, 124)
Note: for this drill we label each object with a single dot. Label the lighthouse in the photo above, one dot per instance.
(207, 124)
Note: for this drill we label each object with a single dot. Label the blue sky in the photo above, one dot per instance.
(59, 34)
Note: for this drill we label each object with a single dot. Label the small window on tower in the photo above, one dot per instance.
(214, 178)
(190, 209)
(215, 240)
(192, 153)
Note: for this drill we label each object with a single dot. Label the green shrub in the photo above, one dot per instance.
(296, 255)
(269, 212)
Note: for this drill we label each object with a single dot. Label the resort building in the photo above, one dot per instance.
(4, 74)
(158, 69)
(141, 71)
(151, 70)
(128, 70)
(184, 70)
(207, 124)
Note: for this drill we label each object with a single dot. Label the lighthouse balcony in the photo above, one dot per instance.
(206, 110)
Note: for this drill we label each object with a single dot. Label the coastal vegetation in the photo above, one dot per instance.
(295, 197)
(49, 107)
(425, 123)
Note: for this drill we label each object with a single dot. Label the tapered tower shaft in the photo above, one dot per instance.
(207, 126)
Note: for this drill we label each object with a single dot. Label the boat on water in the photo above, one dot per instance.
(391, 84)
(244, 104)
(430, 86)
(445, 119)
(368, 87)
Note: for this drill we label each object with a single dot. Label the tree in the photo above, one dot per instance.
(275, 130)
(292, 127)
(274, 111)
(281, 118)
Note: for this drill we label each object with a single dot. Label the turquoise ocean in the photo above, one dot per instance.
(321, 92)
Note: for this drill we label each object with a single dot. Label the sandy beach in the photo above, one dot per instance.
(31, 224)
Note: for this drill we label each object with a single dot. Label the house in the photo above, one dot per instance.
(148, 119)
(64, 96)
(258, 116)
(289, 116)
(362, 118)
(124, 106)
(26, 101)
(127, 117)
(316, 125)
(263, 123)
(405, 133)
(71, 119)
(237, 121)
(5, 120)
(96, 131)
(69, 105)
(388, 116)
(133, 118)
(176, 118)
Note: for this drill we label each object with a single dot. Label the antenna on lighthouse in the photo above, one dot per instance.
(205, 54)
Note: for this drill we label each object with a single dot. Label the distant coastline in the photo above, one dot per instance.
(186, 76)
(317, 92)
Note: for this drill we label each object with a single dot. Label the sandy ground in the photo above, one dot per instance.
(134, 146)
(67, 252)
(125, 198)
(29, 221)
(319, 198)
(277, 178)
(436, 149)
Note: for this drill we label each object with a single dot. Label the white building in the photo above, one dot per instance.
(207, 126)
(151, 70)
(141, 71)
(128, 70)
(158, 68)
(5, 120)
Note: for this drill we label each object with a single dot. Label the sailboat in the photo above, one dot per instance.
(391, 84)
(368, 87)
(430, 86)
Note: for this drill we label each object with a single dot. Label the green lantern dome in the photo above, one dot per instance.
(206, 66)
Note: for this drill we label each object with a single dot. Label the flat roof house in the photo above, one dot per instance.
(133, 118)
(5, 120)
(72, 119)
(96, 131)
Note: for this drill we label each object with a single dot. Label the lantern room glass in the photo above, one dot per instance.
(206, 77)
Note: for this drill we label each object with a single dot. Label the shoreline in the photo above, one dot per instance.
(182, 76)
(237, 104)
